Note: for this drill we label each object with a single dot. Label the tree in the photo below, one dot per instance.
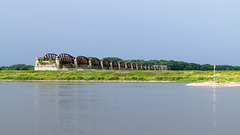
(18, 67)
(24, 68)
(206, 67)
(113, 59)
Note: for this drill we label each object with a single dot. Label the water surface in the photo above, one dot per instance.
(118, 109)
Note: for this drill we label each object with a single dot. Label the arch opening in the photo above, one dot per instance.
(115, 65)
(66, 58)
(49, 57)
(139, 66)
(128, 65)
(134, 66)
(95, 63)
(122, 65)
(82, 62)
(105, 64)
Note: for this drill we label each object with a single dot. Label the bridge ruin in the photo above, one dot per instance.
(66, 61)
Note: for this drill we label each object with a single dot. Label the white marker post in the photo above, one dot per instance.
(214, 73)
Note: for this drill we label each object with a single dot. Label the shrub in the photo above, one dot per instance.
(68, 78)
(7, 78)
(90, 78)
(134, 78)
(79, 78)
(113, 78)
(141, 78)
(159, 78)
(100, 78)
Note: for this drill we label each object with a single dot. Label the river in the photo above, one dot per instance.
(117, 109)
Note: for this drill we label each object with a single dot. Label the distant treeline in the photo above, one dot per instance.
(17, 67)
(171, 64)
(178, 65)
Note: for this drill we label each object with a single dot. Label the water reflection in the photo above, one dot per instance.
(214, 107)
(118, 108)
(69, 109)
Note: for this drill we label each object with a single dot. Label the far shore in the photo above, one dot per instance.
(89, 81)
(203, 84)
(123, 76)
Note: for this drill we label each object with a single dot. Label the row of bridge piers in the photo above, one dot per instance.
(65, 61)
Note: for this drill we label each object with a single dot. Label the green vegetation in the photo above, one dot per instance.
(125, 75)
(177, 65)
(180, 65)
(113, 58)
(49, 62)
(17, 67)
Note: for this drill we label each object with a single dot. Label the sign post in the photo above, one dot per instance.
(214, 73)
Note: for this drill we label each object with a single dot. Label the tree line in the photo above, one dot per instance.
(17, 67)
(171, 64)
(178, 65)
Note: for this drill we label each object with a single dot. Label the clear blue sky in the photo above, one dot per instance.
(200, 31)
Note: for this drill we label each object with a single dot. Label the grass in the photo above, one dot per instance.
(124, 75)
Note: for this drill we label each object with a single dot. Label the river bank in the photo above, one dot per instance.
(215, 84)
(87, 81)
(120, 76)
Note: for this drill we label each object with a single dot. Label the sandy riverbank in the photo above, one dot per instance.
(215, 84)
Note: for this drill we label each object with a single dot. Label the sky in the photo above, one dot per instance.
(198, 31)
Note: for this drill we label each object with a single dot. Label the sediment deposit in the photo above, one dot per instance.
(215, 84)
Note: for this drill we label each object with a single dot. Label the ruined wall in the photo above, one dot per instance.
(46, 67)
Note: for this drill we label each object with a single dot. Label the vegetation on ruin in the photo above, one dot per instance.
(124, 75)
(47, 62)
